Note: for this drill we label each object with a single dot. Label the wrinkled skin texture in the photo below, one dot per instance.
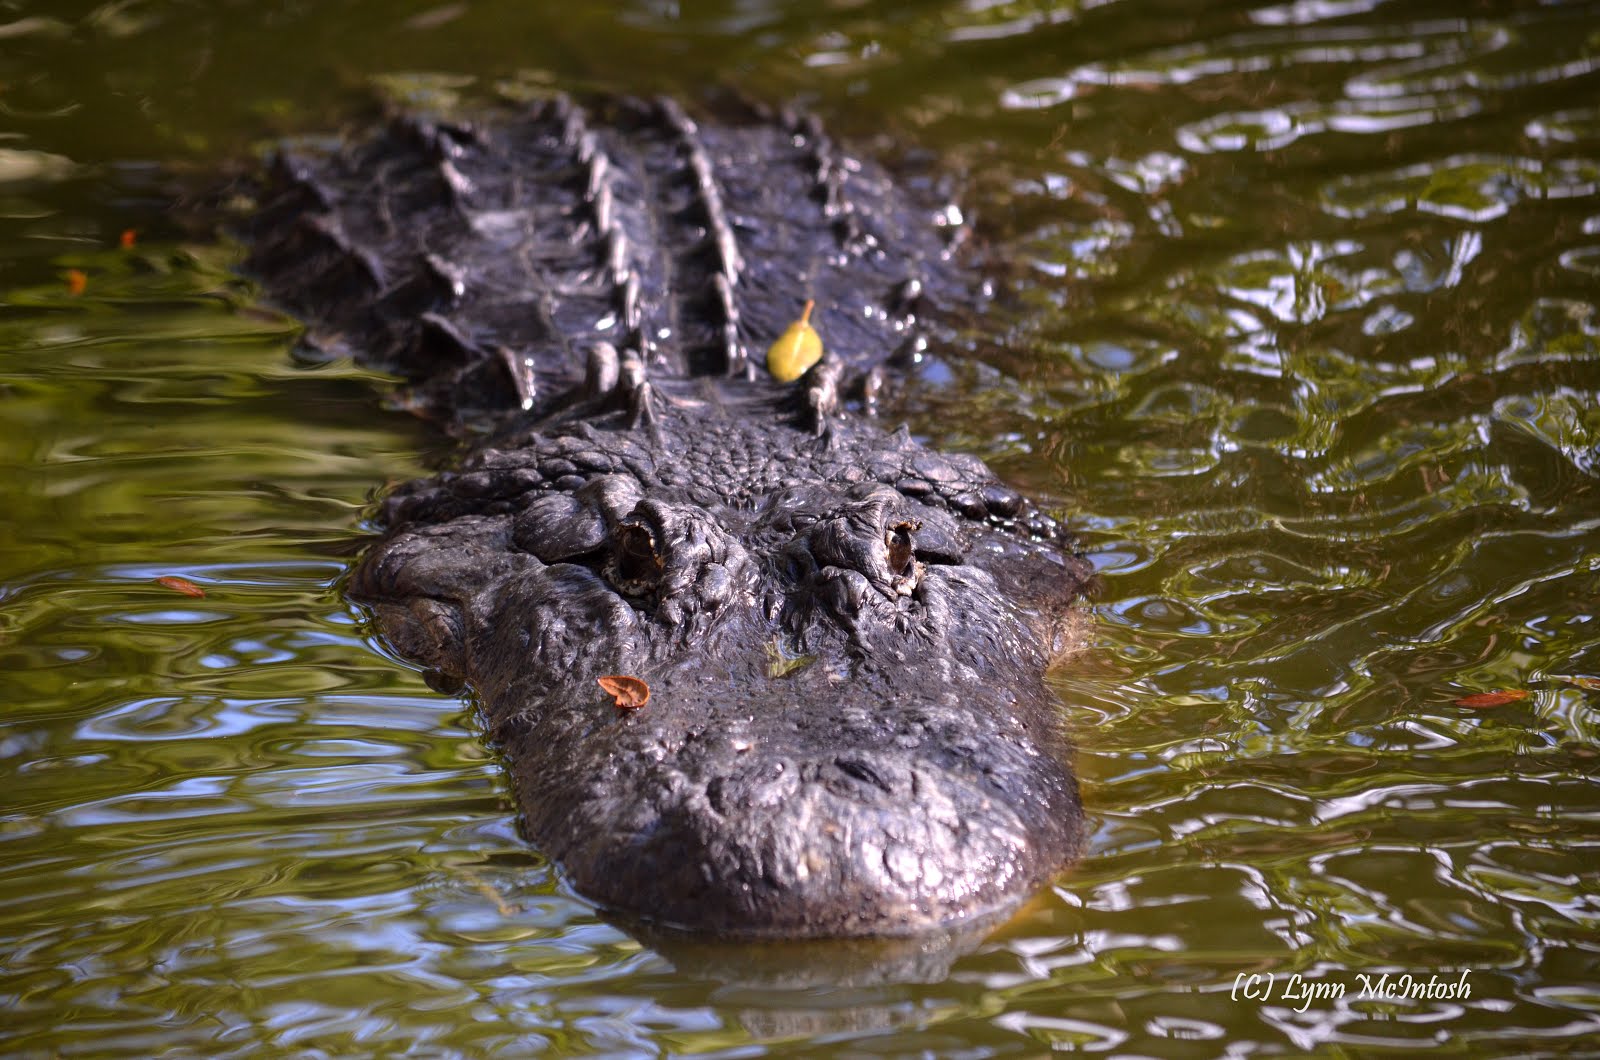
(845, 634)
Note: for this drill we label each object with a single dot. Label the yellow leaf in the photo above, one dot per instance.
(797, 349)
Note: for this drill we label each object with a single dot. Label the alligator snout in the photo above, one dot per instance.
(780, 820)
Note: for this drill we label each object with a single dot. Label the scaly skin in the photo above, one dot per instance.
(845, 634)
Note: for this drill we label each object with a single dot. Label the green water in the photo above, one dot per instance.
(1307, 343)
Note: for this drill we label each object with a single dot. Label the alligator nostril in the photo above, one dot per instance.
(635, 566)
(902, 556)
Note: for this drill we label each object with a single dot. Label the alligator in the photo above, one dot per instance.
(840, 636)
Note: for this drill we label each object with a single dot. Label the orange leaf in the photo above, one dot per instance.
(129, 237)
(1497, 698)
(181, 585)
(631, 692)
(1591, 684)
(77, 282)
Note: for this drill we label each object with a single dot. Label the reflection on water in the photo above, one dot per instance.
(1302, 320)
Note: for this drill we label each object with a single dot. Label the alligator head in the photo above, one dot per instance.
(847, 731)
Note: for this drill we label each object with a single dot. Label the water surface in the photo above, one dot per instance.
(1304, 337)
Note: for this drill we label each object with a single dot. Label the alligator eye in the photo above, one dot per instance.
(902, 556)
(635, 566)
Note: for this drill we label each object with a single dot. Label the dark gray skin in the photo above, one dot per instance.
(845, 634)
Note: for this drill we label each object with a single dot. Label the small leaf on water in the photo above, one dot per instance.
(129, 238)
(782, 664)
(631, 692)
(487, 889)
(1591, 684)
(796, 350)
(181, 585)
(1497, 698)
(77, 282)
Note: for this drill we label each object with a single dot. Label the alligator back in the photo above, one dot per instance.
(482, 260)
